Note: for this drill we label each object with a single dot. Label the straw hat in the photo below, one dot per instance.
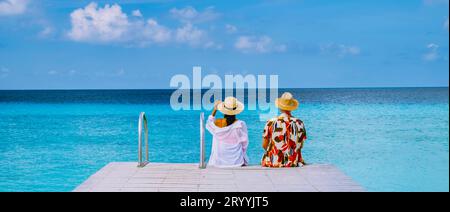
(231, 106)
(287, 102)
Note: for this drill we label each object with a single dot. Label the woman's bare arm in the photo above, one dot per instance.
(265, 143)
(214, 112)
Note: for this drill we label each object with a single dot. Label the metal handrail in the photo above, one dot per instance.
(202, 164)
(143, 125)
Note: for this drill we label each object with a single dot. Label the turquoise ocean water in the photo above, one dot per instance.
(386, 139)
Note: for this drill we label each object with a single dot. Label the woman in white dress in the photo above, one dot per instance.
(230, 135)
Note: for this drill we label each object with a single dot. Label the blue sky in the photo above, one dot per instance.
(135, 44)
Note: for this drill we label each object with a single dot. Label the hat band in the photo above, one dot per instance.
(234, 108)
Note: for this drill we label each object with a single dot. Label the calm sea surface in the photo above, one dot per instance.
(386, 139)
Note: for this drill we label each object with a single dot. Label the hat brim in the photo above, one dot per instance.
(239, 109)
(282, 106)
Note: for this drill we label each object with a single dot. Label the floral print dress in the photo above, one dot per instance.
(286, 136)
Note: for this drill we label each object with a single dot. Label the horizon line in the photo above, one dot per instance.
(112, 89)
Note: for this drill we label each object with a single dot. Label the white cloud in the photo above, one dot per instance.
(119, 73)
(191, 15)
(72, 72)
(263, 44)
(150, 32)
(184, 13)
(340, 50)
(137, 13)
(350, 50)
(47, 31)
(4, 72)
(13, 7)
(433, 52)
(98, 24)
(52, 72)
(446, 24)
(212, 45)
(63, 73)
(110, 24)
(231, 29)
(190, 34)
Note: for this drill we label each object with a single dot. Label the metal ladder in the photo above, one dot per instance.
(143, 125)
(202, 164)
(143, 128)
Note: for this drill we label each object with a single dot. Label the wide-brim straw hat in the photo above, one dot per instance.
(287, 102)
(231, 106)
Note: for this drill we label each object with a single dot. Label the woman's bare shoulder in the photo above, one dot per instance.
(221, 123)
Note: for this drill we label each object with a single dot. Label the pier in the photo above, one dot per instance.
(158, 177)
(144, 176)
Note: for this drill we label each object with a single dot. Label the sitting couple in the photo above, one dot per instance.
(283, 136)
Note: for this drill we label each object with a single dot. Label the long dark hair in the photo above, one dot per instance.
(230, 119)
